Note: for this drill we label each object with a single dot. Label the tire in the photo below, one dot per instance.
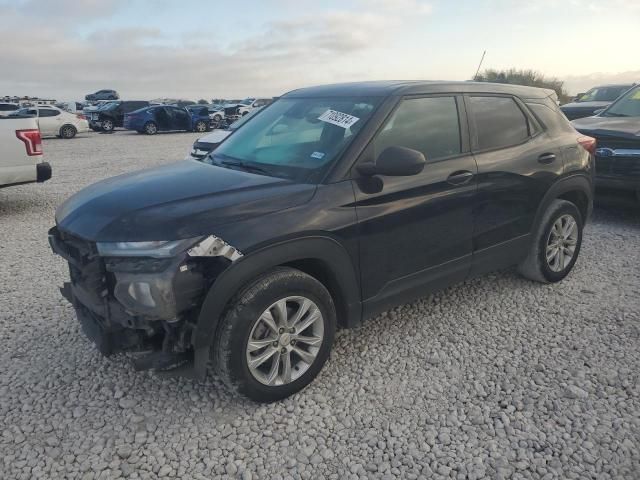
(536, 266)
(150, 128)
(244, 320)
(107, 126)
(201, 126)
(68, 131)
(217, 118)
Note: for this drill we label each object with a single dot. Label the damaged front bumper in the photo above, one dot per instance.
(140, 302)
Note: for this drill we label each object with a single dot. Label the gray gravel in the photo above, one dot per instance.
(495, 378)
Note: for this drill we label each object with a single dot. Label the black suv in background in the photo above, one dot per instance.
(597, 98)
(111, 115)
(617, 131)
(333, 204)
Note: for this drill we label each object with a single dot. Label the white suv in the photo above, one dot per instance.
(54, 122)
(249, 104)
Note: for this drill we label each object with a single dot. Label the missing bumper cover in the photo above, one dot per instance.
(213, 246)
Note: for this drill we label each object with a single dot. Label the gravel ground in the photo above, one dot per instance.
(495, 378)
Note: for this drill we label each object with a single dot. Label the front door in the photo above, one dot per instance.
(416, 231)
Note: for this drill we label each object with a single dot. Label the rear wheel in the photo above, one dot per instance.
(150, 128)
(68, 131)
(217, 118)
(556, 244)
(276, 335)
(201, 126)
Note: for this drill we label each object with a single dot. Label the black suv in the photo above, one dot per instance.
(335, 203)
(111, 115)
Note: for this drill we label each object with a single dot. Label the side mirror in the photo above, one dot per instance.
(598, 111)
(395, 162)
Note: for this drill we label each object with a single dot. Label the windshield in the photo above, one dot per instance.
(626, 106)
(603, 94)
(296, 138)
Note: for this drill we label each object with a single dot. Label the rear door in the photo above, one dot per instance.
(181, 119)
(50, 121)
(517, 162)
(417, 230)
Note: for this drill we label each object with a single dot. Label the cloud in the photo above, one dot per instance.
(139, 62)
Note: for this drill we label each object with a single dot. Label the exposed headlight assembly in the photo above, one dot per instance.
(155, 249)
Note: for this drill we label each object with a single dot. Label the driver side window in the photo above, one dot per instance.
(429, 125)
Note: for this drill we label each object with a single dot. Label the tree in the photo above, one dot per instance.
(202, 101)
(530, 78)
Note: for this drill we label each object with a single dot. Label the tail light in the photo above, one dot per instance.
(32, 141)
(81, 117)
(588, 143)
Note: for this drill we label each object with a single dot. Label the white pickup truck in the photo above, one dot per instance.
(21, 152)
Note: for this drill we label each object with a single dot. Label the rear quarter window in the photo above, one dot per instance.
(499, 122)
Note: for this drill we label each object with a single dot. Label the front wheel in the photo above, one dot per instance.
(276, 335)
(555, 245)
(201, 126)
(107, 126)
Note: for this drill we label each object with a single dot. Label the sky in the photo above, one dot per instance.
(195, 49)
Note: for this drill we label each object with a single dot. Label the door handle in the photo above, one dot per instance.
(547, 158)
(460, 177)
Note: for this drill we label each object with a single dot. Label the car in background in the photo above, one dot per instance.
(234, 111)
(617, 132)
(595, 99)
(164, 118)
(111, 115)
(8, 108)
(21, 151)
(55, 122)
(205, 145)
(102, 95)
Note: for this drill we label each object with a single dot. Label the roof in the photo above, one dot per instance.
(388, 88)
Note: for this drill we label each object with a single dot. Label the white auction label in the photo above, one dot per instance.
(340, 119)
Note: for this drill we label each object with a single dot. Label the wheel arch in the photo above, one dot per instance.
(577, 189)
(323, 258)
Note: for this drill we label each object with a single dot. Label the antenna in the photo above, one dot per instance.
(479, 65)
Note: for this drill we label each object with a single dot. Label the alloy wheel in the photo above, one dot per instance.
(561, 243)
(285, 341)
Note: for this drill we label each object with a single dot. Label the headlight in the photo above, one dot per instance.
(157, 248)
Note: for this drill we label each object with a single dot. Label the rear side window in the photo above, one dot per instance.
(429, 125)
(499, 122)
(47, 112)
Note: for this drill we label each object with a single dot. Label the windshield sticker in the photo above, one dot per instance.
(340, 119)
(317, 155)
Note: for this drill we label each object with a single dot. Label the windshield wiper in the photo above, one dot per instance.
(249, 167)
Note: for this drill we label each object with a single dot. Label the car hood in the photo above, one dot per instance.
(180, 200)
(214, 137)
(628, 127)
(585, 105)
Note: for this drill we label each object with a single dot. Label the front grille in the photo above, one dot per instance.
(86, 269)
(618, 165)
